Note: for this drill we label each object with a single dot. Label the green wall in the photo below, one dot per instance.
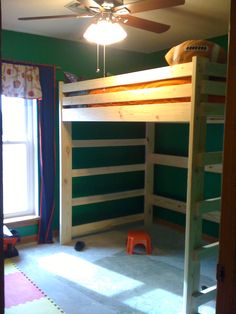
(69, 55)
(171, 138)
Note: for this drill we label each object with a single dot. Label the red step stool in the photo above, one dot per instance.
(138, 237)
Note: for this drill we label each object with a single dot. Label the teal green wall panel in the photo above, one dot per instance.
(107, 210)
(107, 130)
(170, 182)
(171, 139)
(89, 157)
(108, 183)
(27, 230)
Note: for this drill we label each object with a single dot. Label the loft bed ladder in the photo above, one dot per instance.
(197, 162)
(196, 205)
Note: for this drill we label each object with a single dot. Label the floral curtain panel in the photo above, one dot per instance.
(21, 81)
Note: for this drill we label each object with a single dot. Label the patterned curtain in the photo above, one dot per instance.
(21, 81)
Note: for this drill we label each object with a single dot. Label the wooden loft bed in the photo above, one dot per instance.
(186, 93)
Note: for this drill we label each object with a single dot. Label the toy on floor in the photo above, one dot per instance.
(79, 245)
(138, 237)
(10, 238)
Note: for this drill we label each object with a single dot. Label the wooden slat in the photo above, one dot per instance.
(209, 158)
(146, 94)
(169, 112)
(168, 203)
(214, 168)
(209, 205)
(204, 296)
(213, 109)
(216, 69)
(180, 207)
(104, 224)
(109, 143)
(176, 71)
(107, 170)
(206, 251)
(180, 162)
(213, 216)
(169, 160)
(106, 197)
(213, 88)
(215, 120)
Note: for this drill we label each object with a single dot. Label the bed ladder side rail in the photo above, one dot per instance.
(65, 136)
(149, 174)
(197, 160)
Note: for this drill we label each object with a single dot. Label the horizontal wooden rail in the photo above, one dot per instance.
(168, 160)
(209, 205)
(146, 94)
(206, 251)
(216, 69)
(179, 161)
(104, 224)
(179, 206)
(109, 143)
(168, 112)
(210, 158)
(107, 170)
(213, 88)
(176, 71)
(84, 200)
(212, 109)
(205, 295)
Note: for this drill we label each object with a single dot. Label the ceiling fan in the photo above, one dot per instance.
(116, 10)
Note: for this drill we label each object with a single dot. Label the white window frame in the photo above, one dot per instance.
(31, 142)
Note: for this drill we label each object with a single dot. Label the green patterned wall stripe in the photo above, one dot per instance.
(100, 211)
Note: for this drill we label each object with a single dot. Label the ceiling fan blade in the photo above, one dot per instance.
(148, 5)
(90, 4)
(31, 18)
(146, 25)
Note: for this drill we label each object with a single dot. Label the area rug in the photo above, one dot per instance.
(22, 296)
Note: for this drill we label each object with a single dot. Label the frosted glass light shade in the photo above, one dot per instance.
(105, 32)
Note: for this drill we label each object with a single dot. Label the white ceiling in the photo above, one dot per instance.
(196, 19)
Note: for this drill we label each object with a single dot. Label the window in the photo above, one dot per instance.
(20, 170)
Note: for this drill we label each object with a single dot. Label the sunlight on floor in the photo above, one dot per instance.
(157, 301)
(88, 275)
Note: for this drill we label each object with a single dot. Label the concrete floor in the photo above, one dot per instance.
(104, 279)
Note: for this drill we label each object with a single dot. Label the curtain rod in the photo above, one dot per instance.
(57, 67)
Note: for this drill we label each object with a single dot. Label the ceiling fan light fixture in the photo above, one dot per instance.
(105, 32)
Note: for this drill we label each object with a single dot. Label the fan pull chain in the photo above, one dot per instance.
(104, 60)
(98, 68)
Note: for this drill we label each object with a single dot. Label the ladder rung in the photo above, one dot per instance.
(211, 158)
(209, 205)
(205, 295)
(206, 250)
(216, 109)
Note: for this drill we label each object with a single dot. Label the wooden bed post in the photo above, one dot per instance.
(149, 174)
(65, 177)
